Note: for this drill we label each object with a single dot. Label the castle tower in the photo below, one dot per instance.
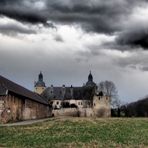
(101, 105)
(39, 86)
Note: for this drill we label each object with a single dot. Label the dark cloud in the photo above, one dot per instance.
(97, 16)
(136, 37)
(5, 2)
(145, 68)
(23, 15)
(18, 10)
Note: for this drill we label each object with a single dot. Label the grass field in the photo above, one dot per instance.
(78, 132)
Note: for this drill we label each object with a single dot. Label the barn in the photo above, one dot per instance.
(18, 103)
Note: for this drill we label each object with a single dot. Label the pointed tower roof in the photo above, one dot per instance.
(90, 77)
(40, 77)
(40, 82)
(90, 82)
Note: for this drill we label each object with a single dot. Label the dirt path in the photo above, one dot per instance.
(28, 122)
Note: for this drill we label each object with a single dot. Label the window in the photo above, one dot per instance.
(57, 103)
(78, 103)
(94, 104)
(81, 103)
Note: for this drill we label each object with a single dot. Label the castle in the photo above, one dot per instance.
(18, 103)
(85, 100)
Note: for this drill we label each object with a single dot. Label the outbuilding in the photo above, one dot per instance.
(18, 103)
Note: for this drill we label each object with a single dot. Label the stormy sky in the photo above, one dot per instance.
(65, 39)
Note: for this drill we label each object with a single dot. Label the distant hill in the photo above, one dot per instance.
(136, 109)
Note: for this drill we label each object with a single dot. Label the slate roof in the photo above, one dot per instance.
(77, 93)
(7, 85)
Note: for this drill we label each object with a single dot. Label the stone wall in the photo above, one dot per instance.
(80, 112)
(73, 112)
(34, 110)
(14, 108)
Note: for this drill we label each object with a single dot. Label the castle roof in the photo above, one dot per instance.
(66, 93)
(85, 92)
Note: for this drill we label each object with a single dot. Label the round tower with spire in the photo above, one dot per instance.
(39, 86)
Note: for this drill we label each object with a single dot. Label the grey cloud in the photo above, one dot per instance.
(58, 38)
(17, 9)
(13, 29)
(137, 36)
(104, 17)
(137, 60)
(97, 16)
(115, 45)
(145, 68)
(23, 15)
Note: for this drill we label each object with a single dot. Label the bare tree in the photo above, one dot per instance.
(109, 89)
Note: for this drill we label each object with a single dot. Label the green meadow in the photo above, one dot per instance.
(78, 132)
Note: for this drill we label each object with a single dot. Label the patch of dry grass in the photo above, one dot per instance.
(78, 132)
